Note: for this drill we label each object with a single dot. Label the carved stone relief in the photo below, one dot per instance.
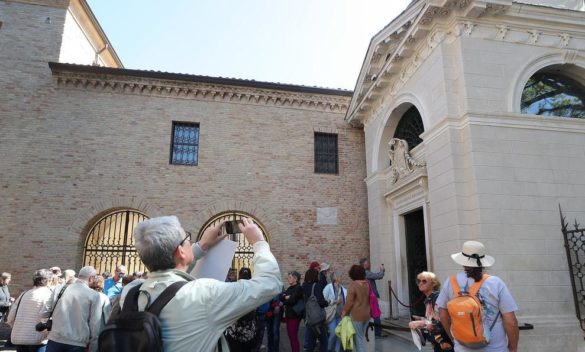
(402, 163)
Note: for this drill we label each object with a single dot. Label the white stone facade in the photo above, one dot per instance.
(492, 174)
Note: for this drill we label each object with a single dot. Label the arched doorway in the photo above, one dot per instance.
(244, 253)
(110, 241)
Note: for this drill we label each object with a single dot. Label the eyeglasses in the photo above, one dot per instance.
(423, 281)
(184, 239)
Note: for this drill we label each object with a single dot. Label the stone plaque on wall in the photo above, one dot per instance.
(327, 216)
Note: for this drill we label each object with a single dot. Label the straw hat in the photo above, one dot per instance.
(473, 255)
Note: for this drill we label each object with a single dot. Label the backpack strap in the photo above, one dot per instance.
(455, 286)
(131, 301)
(165, 297)
(477, 285)
(474, 288)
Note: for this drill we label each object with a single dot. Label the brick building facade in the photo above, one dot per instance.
(79, 141)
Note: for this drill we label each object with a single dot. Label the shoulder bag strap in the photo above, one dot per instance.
(57, 301)
(18, 304)
(477, 285)
(165, 297)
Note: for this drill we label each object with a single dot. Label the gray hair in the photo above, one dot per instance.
(42, 277)
(156, 240)
(86, 272)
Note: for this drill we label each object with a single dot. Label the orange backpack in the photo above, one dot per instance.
(466, 313)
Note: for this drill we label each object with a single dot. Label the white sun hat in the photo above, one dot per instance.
(473, 255)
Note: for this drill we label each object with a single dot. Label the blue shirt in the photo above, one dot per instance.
(112, 288)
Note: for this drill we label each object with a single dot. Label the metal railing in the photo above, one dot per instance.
(575, 248)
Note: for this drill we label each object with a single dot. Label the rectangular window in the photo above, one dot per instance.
(326, 160)
(185, 143)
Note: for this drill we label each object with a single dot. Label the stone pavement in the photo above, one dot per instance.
(388, 344)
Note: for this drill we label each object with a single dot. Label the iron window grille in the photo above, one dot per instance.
(410, 128)
(110, 242)
(185, 143)
(326, 156)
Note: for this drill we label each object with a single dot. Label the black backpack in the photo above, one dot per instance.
(132, 330)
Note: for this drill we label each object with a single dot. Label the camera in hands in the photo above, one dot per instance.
(231, 227)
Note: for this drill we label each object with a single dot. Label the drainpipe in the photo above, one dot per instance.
(97, 54)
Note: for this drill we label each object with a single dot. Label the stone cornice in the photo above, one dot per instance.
(122, 81)
(385, 72)
(50, 3)
(507, 120)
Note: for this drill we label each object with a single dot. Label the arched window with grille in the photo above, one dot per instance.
(410, 127)
(552, 93)
(110, 241)
(244, 253)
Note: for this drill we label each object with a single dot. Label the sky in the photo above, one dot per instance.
(306, 42)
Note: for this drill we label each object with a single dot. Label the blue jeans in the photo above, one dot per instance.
(273, 330)
(261, 324)
(359, 339)
(314, 333)
(334, 344)
(378, 326)
(53, 346)
(30, 348)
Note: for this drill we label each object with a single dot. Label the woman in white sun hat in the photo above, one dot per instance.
(499, 306)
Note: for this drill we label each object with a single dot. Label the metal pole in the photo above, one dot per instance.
(390, 299)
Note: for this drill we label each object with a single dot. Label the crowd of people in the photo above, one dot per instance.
(65, 312)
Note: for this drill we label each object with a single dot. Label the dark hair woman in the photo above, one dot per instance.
(357, 306)
(5, 299)
(290, 297)
(312, 286)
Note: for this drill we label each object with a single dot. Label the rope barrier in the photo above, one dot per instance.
(420, 299)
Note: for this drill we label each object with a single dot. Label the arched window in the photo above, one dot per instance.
(410, 127)
(553, 94)
(244, 254)
(110, 242)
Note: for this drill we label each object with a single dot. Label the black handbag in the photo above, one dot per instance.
(299, 307)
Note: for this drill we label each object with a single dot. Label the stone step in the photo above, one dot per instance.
(399, 328)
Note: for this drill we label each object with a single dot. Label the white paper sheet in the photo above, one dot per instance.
(216, 263)
(416, 339)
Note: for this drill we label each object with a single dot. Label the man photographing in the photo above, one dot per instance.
(195, 319)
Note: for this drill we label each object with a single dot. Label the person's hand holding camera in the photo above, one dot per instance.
(211, 236)
(251, 231)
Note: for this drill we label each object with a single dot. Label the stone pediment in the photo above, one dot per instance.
(398, 50)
